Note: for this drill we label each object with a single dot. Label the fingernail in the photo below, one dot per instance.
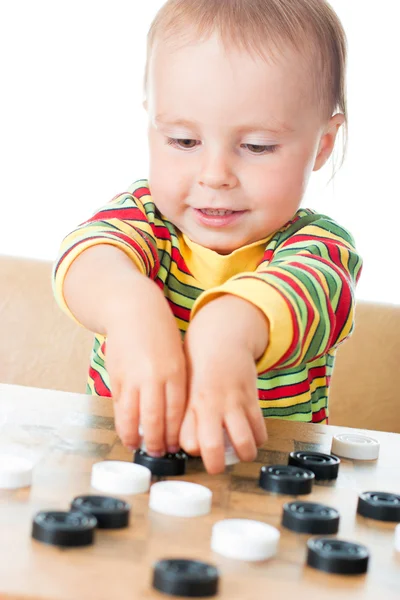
(132, 448)
(173, 449)
(156, 454)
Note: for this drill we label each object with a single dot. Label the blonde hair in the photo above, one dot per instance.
(265, 27)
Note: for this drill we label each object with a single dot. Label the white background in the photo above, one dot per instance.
(73, 131)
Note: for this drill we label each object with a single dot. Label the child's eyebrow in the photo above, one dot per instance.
(267, 127)
(172, 120)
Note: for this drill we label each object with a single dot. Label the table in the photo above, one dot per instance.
(67, 433)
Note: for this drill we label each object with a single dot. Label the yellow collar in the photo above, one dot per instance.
(211, 269)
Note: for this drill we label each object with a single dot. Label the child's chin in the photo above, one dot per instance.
(218, 241)
(222, 248)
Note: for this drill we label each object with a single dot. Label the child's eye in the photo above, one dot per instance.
(257, 149)
(183, 144)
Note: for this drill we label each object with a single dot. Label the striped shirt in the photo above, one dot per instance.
(302, 277)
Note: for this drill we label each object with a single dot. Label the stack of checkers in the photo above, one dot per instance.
(239, 539)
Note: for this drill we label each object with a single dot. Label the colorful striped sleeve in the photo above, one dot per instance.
(305, 288)
(123, 223)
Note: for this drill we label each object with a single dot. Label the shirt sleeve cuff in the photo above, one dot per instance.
(63, 266)
(271, 303)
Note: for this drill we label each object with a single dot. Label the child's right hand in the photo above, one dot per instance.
(147, 369)
(107, 294)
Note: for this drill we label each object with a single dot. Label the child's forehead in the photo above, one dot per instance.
(207, 72)
(186, 49)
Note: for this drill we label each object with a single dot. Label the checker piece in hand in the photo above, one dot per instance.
(169, 465)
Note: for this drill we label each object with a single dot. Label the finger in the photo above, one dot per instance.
(241, 434)
(188, 434)
(152, 418)
(115, 387)
(211, 438)
(257, 424)
(126, 413)
(174, 413)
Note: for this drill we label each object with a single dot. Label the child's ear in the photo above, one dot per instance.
(327, 141)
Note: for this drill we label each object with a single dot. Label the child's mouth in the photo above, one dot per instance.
(217, 217)
(213, 212)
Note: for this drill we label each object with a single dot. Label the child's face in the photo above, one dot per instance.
(233, 141)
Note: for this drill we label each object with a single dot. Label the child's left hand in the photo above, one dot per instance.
(222, 345)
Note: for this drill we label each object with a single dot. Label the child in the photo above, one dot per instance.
(244, 101)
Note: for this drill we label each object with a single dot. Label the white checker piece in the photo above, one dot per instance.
(120, 477)
(15, 472)
(245, 539)
(355, 446)
(397, 538)
(231, 458)
(180, 498)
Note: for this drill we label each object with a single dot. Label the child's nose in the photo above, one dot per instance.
(217, 173)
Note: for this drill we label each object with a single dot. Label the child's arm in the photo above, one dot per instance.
(94, 299)
(222, 346)
(100, 281)
(305, 292)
